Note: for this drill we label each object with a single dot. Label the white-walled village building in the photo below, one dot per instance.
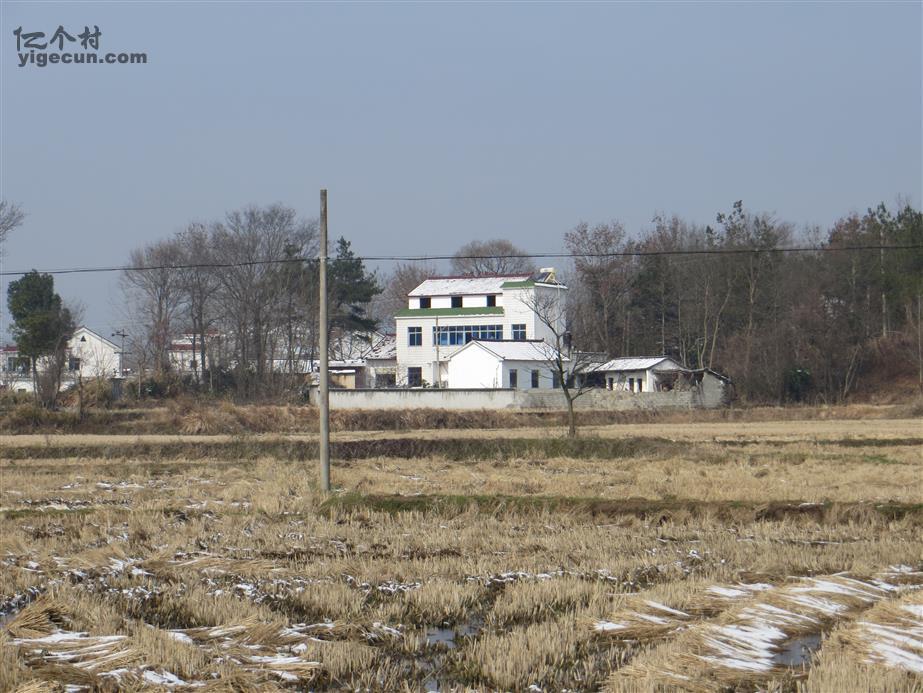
(90, 356)
(638, 374)
(516, 365)
(444, 314)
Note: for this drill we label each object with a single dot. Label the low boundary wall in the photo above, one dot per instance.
(420, 399)
(515, 399)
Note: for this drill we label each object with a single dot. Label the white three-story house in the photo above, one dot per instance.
(445, 313)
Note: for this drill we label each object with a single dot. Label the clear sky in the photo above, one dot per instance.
(433, 125)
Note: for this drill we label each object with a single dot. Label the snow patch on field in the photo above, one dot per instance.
(895, 638)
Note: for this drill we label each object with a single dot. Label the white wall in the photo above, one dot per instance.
(517, 309)
(524, 374)
(506, 399)
(475, 368)
(620, 380)
(468, 301)
(425, 356)
(420, 399)
(518, 306)
(98, 358)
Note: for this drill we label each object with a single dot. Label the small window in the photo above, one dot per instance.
(519, 333)
(415, 336)
(631, 384)
(415, 376)
(555, 380)
(491, 301)
(640, 385)
(456, 301)
(385, 380)
(425, 302)
(514, 378)
(73, 364)
(534, 378)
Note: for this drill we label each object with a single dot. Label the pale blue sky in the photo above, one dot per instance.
(433, 125)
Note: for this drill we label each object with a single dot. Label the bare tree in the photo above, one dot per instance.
(498, 256)
(566, 364)
(198, 283)
(155, 296)
(254, 289)
(11, 216)
(603, 280)
(404, 279)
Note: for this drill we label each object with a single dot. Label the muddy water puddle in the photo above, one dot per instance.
(797, 652)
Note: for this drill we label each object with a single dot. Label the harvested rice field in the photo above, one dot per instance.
(715, 556)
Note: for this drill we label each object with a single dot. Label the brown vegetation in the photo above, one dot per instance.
(458, 568)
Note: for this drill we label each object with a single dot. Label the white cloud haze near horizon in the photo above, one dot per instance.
(433, 125)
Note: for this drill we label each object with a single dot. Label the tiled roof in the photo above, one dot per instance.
(516, 351)
(463, 286)
(631, 363)
(386, 348)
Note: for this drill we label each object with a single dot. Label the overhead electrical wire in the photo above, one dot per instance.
(430, 258)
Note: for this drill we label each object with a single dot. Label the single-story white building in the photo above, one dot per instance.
(93, 356)
(520, 365)
(89, 356)
(636, 374)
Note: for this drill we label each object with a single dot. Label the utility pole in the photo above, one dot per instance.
(121, 333)
(323, 390)
(881, 273)
(920, 337)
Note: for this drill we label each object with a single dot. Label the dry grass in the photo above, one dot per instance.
(234, 572)
(207, 416)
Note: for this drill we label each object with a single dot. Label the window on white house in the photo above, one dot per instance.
(452, 335)
(415, 376)
(425, 302)
(519, 332)
(534, 378)
(631, 384)
(491, 300)
(73, 364)
(456, 301)
(640, 385)
(555, 380)
(514, 378)
(415, 336)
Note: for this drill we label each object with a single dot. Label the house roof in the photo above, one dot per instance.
(84, 328)
(12, 348)
(461, 286)
(640, 363)
(385, 348)
(535, 350)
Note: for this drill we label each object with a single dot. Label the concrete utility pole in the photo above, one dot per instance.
(122, 334)
(323, 390)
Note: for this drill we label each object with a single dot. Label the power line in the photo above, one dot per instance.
(429, 258)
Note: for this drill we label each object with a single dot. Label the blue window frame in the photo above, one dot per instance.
(415, 336)
(453, 335)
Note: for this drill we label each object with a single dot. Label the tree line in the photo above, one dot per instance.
(783, 326)
(251, 320)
